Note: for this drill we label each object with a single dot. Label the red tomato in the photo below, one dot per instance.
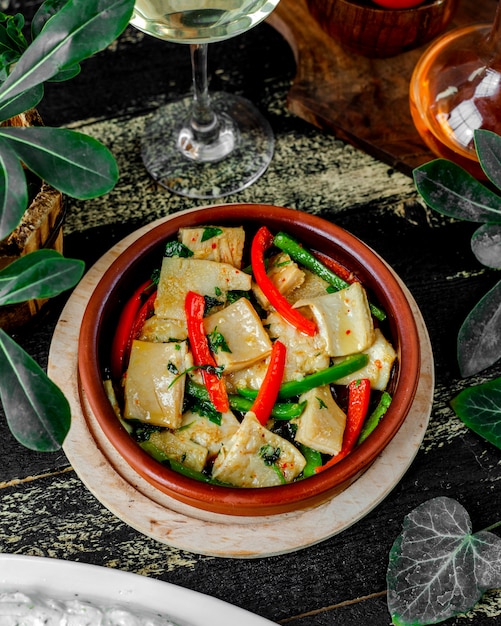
(398, 4)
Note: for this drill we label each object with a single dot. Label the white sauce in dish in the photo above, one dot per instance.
(19, 609)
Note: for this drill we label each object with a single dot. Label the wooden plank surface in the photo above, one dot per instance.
(361, 100)
(46, 509)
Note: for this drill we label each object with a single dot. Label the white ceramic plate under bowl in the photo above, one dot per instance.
(102, 586)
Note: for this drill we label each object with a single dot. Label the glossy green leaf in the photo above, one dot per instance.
(74, 163)
(12, 42)
(437, 567)
(36, 410)
(77, 31)
(486, 245)
(13, 190)
(450, 190)
(479, 407)
(23, 102)
(44, 13)
(40, 274)
(479, 338)
(488, 146)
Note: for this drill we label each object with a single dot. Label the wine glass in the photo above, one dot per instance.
(455, 89)
(207, 145)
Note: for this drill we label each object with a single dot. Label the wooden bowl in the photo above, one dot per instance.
(364, 28)
(145, 254)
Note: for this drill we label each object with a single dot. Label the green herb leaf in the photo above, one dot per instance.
(488, 146)
(13, 190)
(210, 232)
(176, 248)
(479, 407)
(479, 339)
(437, 567)
(12, 42)
(217, 342)
(40, 274)
(78, 165)
(37, 412)
(486, 245)
(73, 34)
(450, 190)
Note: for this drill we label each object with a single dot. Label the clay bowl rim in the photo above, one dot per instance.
(376, 275)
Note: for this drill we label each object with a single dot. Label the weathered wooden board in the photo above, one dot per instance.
(361, 100)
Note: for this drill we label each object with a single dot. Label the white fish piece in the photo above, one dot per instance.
(245, 460)
(208, 278)
(246, 340)
(154, 389)
(305, 355)
(321, 425)
(224, 244)
(382, 356)
(343, 319)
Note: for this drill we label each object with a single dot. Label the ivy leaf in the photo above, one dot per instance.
(450, 190)
(479, 339)
(488, 146)
(479, 407)
(74, 163)
(40, 274)
(437, 567)
(486, 245)
(77, 31)
(13, 190)
(37, 412)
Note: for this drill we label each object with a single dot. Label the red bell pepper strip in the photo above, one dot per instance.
(359, 392)
(263, 240)
(122, 339)
(146, 310)
(268, 392)
(194, 308)
(340, 270)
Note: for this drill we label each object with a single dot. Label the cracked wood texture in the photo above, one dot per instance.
(46, 510)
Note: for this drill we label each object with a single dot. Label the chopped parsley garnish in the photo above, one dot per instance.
(269, 454)
(321, 403)
(217, 342)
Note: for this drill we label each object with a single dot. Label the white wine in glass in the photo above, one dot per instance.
(207, 145)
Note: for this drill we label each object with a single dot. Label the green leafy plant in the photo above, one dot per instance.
(437, 567)
(450, 190)
(63, 33)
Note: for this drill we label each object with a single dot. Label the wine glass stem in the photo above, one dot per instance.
(204, 122)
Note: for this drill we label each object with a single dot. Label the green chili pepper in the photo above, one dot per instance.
(281, 410)
(343, 368)
(313, 460)
(375, 417)
(160, 456)
(304, 257)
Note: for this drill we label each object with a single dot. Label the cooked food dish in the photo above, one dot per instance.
(21, 609)
(249, 361)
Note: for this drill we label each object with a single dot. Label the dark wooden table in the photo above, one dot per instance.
(44, 507)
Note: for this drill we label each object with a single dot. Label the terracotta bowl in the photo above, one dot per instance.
(145, 254)
(364, 28)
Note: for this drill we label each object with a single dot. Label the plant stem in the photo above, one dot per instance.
(492, 527)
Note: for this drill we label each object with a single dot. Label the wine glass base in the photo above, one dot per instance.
(249, 159)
